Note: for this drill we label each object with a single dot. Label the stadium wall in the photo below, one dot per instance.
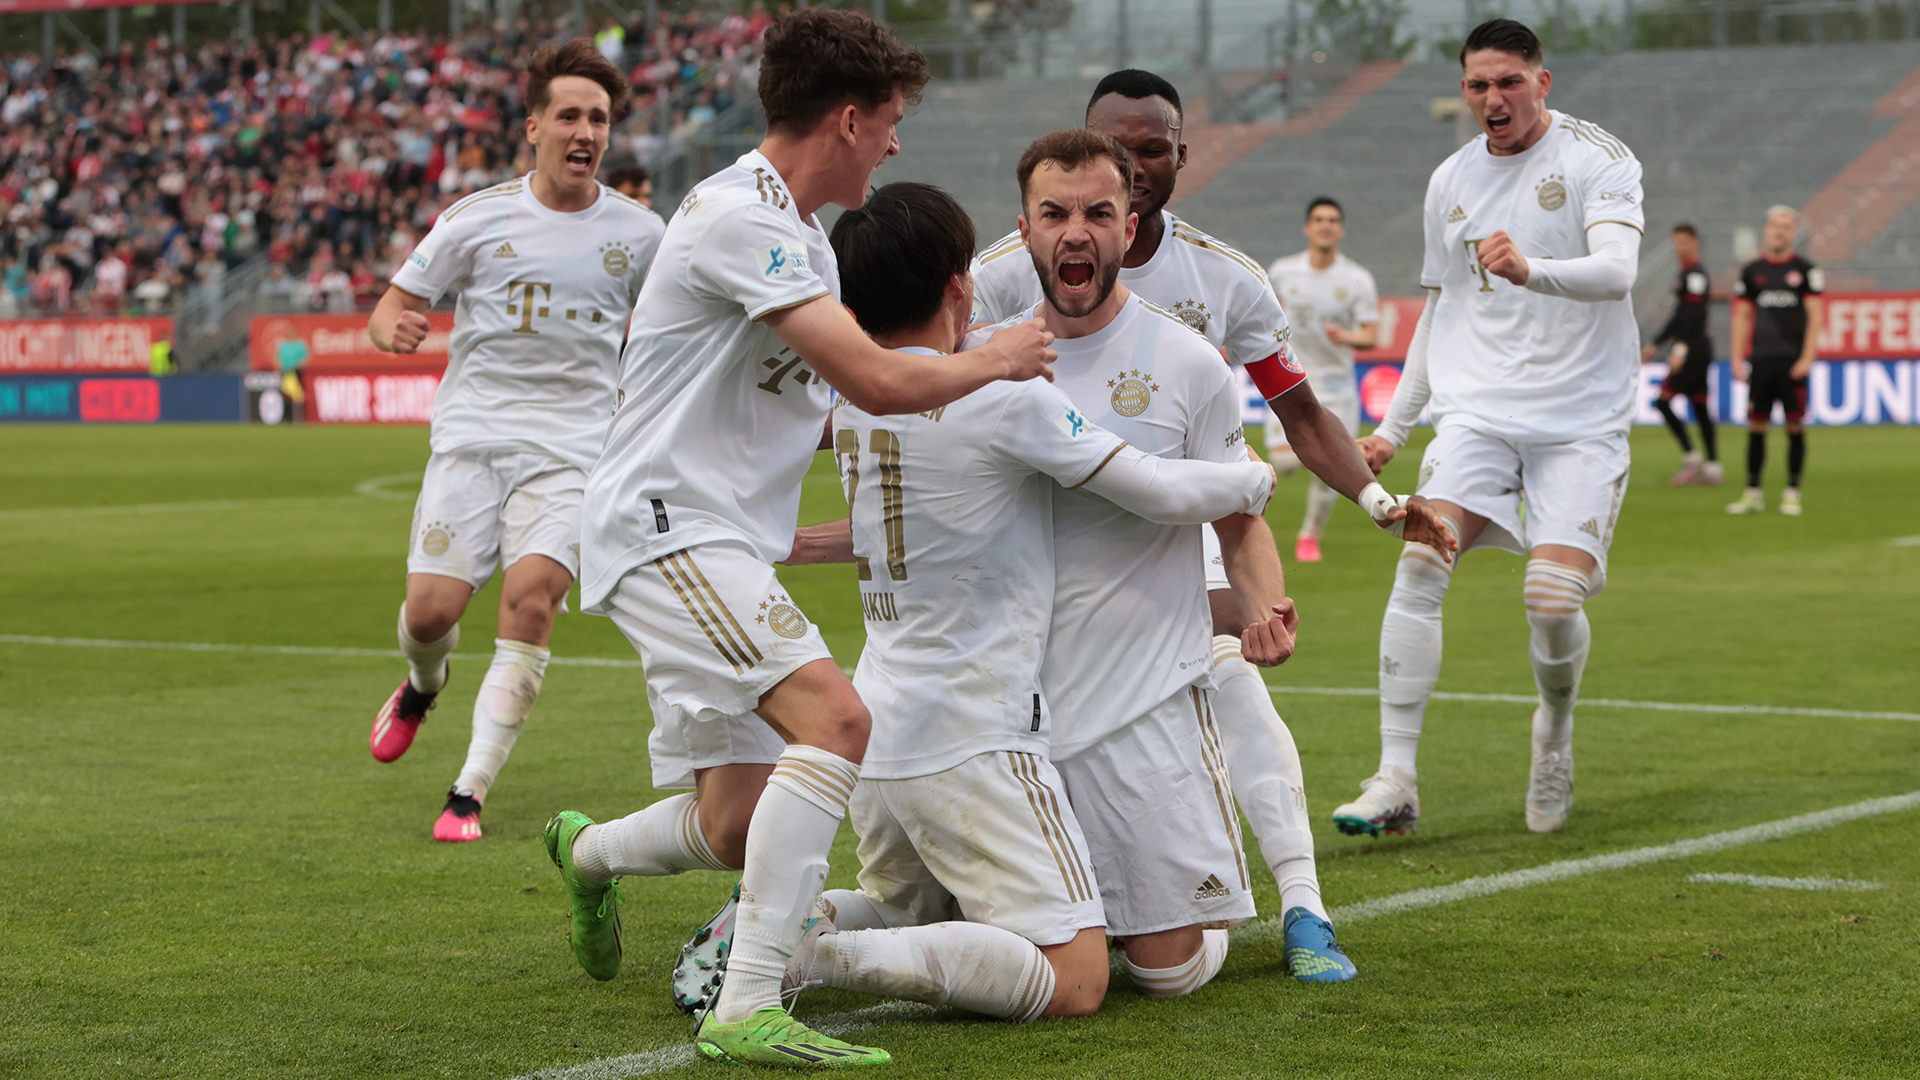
(122, 399)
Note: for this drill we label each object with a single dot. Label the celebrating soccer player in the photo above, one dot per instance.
(1776, 318)
(722, 400)
(1224, 296)
(1333, 301)
(1527, 348)
(959, 810)
(1690, 355)
(546, 267)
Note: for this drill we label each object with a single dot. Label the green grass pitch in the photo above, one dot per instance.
(204, 874)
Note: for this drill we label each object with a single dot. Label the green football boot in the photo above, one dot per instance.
(771, 1037)
(596, 906)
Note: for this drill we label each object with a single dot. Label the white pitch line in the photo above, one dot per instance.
(283, 650)
(47, 512)
(1615, 703)
(1905, 541)
(609, 662)
(1808, 884)
(1268, 929)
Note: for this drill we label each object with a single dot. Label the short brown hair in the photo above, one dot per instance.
(1070, 148)
(816, 59)
(579, 57)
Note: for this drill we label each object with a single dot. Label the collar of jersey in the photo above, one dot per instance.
(548, 213)
(1159, 255)
(1102, 337)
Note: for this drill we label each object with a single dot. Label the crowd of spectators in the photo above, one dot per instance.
(131, 182)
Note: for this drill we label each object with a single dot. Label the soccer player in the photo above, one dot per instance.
(1527, 347)
(1226, 297)
(633, 181)
(1333, 299)
(1128, 669)
(546, 267)
(1777, 314)
(959, 811)
(722, 399)
(1690, 355)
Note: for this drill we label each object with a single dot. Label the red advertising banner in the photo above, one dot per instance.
(1871, 326)
(80, 346)
(392, 396)
(1398, 316)
(336, 342)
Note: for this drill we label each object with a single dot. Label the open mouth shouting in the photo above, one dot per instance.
(1075, 274)
(580, 160)
(1499, 124)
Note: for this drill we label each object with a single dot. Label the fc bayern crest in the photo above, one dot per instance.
(778, 614)
(1132, 392)
(615, 258)
(1287, 359)
(1194, 314)
(1553, 194)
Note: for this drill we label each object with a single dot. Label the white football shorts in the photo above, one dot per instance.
(714, 628)
(1154, 802)
(1532, 493)
(678, 746)
(479, 510)
(992, 840)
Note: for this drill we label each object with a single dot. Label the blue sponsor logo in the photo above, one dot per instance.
(776, 260)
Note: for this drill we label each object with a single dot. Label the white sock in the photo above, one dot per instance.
(426, 662)
(1320, 500)
(787, 844)
(1556, 596)
(1410, 653)
(1266, 777)
(662, 840)
(853, 909)
(506, 697)
(1183, 978)
(972, 966)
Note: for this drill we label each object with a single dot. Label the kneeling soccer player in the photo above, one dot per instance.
(518, 419)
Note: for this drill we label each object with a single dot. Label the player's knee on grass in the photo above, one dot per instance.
(1154, 960)
(1080, 972)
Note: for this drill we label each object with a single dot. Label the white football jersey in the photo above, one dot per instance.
(716, 420)
(1504, 360)
(953, 536)
(1130, 619)
(1342, 295)
(1210, 286)
(543, 305)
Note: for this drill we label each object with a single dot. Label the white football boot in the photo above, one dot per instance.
(1550, 789)
(1389, 802)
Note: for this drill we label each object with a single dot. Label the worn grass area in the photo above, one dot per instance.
(204, 874)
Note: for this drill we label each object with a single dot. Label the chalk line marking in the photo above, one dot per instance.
(1905, 541)
(379, 488)
(285, 650)
(1268, 929)
(607, 662)
(1808, 884)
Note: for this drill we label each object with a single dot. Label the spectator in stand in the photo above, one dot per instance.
(633, 181)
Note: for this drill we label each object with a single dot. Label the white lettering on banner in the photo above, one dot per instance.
(50, 345)
(1820, 402)
(1871, 327)
(1890, 394)
(342, 399)
(404, 399)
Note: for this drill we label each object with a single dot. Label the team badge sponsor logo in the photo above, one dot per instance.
(616, 258)
(1697, 283)
(782, 258)
(778, 614)
(1591, 527)
(1132, 392)
(1794, 279)
(1194, 314)
(1288, 360)
(436, 540)
(1389, 666)
(692, 200)
(1340, 293)
(505, 251)
(1553, 194)
(1426, 474)
(1071, 422)
(1817, 279)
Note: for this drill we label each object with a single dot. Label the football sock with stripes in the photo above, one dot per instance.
(1709, 438)
(1320, 500)
(1756, 456)
(1674, 423)
(853, 909)
(426, 661)
(1796, 457)
(1183, 978)
(788, 840)
(1410, 641)
(1265, 772)
(1561, 636)
(971, 966)
(500, 710)
(663, 839)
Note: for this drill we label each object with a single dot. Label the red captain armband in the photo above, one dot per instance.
(1277, 374)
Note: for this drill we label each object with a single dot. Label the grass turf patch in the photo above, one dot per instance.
(205, 874)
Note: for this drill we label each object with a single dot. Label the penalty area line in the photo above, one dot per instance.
(284, 650)
(650, 1062)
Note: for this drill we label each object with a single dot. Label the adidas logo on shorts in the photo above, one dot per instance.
(1211, 889)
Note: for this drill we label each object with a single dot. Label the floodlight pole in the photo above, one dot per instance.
(180, 26)
(386, 15)
(113, 31)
